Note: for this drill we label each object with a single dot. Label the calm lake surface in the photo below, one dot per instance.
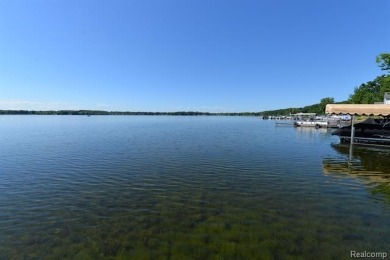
(165, 187)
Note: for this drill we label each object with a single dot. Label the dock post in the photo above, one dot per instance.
(352, 128)
(352, 136)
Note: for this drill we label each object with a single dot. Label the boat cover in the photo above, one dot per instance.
(359, 109)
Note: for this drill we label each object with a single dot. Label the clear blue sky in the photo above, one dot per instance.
(174, 55)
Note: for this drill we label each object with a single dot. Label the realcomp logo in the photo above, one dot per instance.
(366, 254)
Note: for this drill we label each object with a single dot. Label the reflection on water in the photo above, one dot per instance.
(368, 164)
(311, 132)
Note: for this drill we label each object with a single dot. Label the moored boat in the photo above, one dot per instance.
(372, 131)
(315, 123)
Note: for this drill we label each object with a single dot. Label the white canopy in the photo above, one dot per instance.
(359, 109)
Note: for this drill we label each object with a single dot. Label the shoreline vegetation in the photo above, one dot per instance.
(123, 113)
(318, 108)
(315, 108)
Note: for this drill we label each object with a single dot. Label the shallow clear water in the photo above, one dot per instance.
(177, 187)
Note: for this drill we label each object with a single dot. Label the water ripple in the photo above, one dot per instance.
(136, 187)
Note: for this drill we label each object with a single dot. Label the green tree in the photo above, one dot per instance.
(371, 91)
(324, 102)
(383, 61)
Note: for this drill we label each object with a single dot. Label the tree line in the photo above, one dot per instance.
(367, 93)
(122, 113)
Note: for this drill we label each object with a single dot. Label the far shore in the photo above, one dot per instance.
(126, 113)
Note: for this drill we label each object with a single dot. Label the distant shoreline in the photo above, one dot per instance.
(121, 113)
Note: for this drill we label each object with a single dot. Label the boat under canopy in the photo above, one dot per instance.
(372, 131)
(368, 131)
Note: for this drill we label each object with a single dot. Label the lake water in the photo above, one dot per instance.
(164, 187)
